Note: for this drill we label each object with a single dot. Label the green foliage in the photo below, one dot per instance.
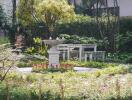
(23, 64)
(31, 50)
(76, 86)
(4, 40)
(119, 57)
(78, 40)
(125, 25)
(2, 17)
(25, 12)
(114, 70)
(46, 11)
(130, 68)
(91, 64)
(51, 11)
(31, 78)
(81, 25)
(2, 91)
(20, 93)
(125, 41)
(37, 40)
(125, 38)
(38, 48)
(85, 26)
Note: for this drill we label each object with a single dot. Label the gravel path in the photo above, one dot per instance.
(78, 69)
(82, 69)
(25, 70)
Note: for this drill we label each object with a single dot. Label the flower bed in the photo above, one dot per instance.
(44, 67)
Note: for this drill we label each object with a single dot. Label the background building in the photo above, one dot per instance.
(125, 6)
(7, 6)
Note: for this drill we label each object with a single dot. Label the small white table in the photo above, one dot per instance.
(96, 55)
(81, 47)
(90, 54)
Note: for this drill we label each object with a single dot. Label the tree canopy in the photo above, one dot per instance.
(51, 11)
(25, 11)
(47, 11)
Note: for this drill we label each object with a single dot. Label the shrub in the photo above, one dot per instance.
(75, 39)
(130, 68)
(90, 64)
(38, 48)
(125, 25)
(114, 70)
(2, 91)
(20, 93)
(119, 57)
(81, 25)
(125, 41)
(31, 78)
(86, 26)
(24, 64)
(4, 40)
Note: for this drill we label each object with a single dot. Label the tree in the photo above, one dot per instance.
(7, 61)
(14, 12)
(52, 11)
(24, 12)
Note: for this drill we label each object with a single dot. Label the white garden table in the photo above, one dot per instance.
(68, 47)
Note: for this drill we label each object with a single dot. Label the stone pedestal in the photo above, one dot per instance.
(53, 57)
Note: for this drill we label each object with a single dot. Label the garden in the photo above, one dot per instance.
(52, 50)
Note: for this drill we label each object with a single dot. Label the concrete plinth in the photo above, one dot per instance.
(53, 58)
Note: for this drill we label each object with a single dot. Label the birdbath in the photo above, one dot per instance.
(53, 51)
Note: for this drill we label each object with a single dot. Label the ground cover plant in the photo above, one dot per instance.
(66, 86)
(90, 64)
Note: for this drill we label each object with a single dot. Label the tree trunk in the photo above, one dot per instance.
(14, 12)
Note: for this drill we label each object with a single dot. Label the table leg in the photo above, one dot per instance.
(68, 54)
(80, 53)
(86, 56)
(90, 57)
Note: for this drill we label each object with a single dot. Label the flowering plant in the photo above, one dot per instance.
(46, 67)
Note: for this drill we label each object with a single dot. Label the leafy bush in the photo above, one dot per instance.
(125, 25)
(24, 64)
(119, 57)
(86, 26)
(2, 91)
(75, 39)
(114, 70)
(130, 68)
(81, 25)
(38, 48)
(91, 64)
(4, 40)
(20, 93)
(125, 41)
